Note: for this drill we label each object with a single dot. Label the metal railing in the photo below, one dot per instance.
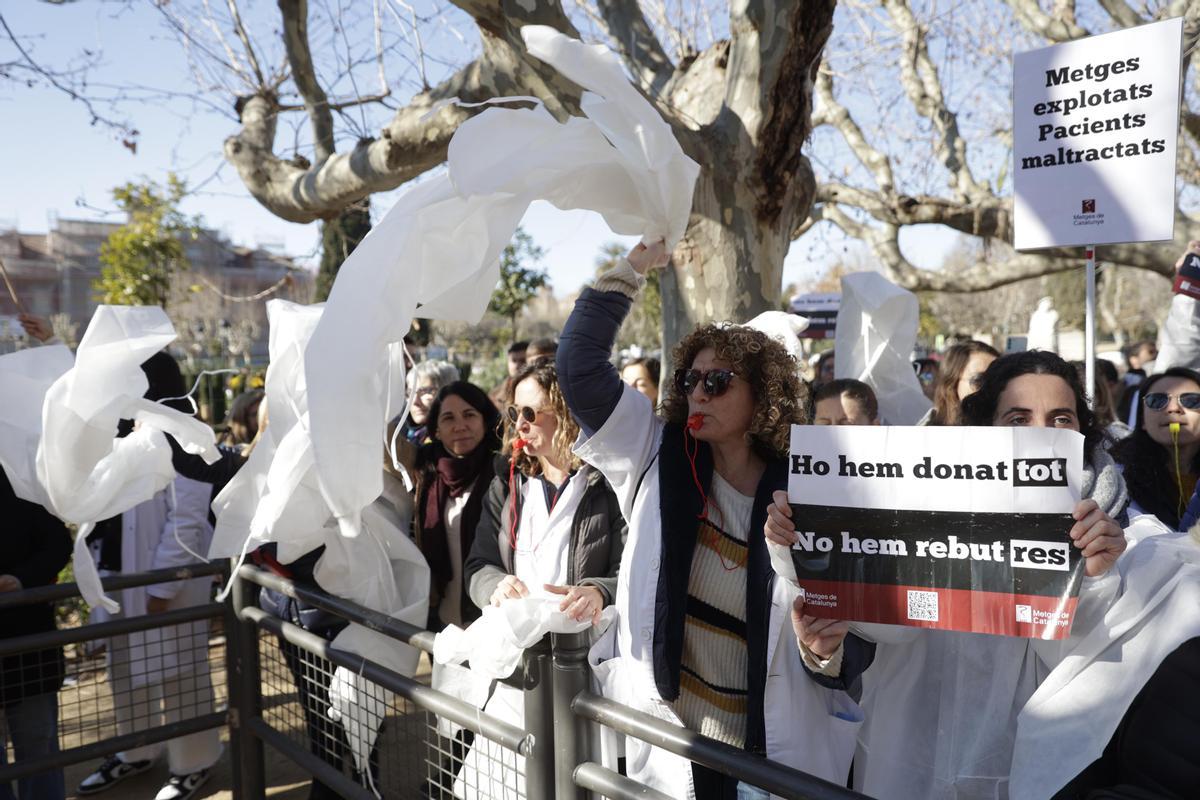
(425, 742)
(87, 723)
(559, 708)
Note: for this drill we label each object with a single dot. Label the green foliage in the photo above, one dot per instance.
(520, 279)
(139, 258)
(339, 237)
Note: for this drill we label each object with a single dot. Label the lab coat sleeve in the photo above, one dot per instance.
(607, 584)
(1179, 337)
(186, 529)
(484, 569)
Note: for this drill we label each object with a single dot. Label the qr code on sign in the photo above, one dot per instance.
(923, 606)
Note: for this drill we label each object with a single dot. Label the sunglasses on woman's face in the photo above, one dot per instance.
(1157, 401)
(516, 414)
(714, 382)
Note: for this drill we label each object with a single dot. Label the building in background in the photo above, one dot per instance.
(53, 272)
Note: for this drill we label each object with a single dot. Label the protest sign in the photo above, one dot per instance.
(1094, 135)
(820, 310)
(953, 528)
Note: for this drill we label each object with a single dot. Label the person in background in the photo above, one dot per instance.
(163, 675)
(427, 379)
(540, 349)
(845, 402)
(642, 374)
(34, 547)
(515, 361)
(1138, 356)
(1161, 464)
(824, 371)
(927, 373)
(961, 368)
(1102, 404)
(1106, 372)
(243, 418)
(454, 472)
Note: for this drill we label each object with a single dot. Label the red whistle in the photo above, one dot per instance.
(519, 444)
(695, 422)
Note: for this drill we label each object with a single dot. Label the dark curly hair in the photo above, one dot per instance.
(1148, 475)
(980, 407)
(780, 397)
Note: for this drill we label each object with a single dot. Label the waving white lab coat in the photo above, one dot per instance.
(808, 727)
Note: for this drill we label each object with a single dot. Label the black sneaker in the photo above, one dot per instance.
(181, 787)
(110, 773)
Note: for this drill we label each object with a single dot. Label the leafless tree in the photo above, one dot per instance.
(914, 128)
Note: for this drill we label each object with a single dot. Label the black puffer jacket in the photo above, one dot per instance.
(593, 555)
(34, 547)
(1153, 753)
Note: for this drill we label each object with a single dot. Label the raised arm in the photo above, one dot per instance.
(589, 381)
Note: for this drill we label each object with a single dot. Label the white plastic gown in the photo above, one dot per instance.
(1070, 719)
(439, 247)
(876, 333)
(67, 412)
(941, 706)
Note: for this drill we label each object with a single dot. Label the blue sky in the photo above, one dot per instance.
(55, 163)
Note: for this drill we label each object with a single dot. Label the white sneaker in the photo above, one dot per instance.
(181, 787)
(110, 773)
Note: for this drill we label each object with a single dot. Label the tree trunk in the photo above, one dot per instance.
(727, 267)
(339, 237)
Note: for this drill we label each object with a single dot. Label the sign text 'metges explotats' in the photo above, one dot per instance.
(1094, 137)
(954, 528)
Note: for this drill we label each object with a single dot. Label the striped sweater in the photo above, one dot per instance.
(712, 683)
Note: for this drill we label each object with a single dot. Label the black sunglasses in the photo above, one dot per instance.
(715, 381)
(1157, 401)
(516, 414)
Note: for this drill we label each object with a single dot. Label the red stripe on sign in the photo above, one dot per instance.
(1026, 615)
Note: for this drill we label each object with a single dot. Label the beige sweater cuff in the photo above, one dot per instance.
(621, 278)
(831, 666)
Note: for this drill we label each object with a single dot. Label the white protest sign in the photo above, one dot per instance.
(1094, 135)
(951, 528)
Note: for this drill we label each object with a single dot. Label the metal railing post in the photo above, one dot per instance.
(539, 721)
(245, 694)
(572, 741)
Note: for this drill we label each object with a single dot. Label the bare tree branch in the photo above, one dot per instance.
(1055, 28)
(304, 75)
(625, 24)
(236, 16)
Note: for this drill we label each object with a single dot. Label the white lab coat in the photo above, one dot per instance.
(158, 534)
(808, 727)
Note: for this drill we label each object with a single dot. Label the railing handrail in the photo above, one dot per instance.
(353, 612)
(63, 591)
(773, 776)
(444, 705)
(46, 640)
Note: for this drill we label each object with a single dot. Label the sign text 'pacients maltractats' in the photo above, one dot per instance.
(955, 528)
(1094, 135)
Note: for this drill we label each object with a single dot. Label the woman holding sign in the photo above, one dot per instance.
(941, 706)
(702, 637)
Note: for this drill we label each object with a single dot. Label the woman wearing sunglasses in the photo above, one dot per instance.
(941, 706)
(550, 524)
(1161, 459)
(703, 635)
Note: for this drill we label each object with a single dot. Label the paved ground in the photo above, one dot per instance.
(87, 715)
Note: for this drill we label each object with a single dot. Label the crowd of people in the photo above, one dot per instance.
(591, 483)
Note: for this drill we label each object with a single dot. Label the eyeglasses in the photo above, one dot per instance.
(518, 413)
(1157, 401)
(715, 381)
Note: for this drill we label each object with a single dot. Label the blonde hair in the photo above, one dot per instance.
(545, 376)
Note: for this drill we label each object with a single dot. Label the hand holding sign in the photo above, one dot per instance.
(1098, 536)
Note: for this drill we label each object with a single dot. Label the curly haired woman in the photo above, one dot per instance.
(704, 636)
